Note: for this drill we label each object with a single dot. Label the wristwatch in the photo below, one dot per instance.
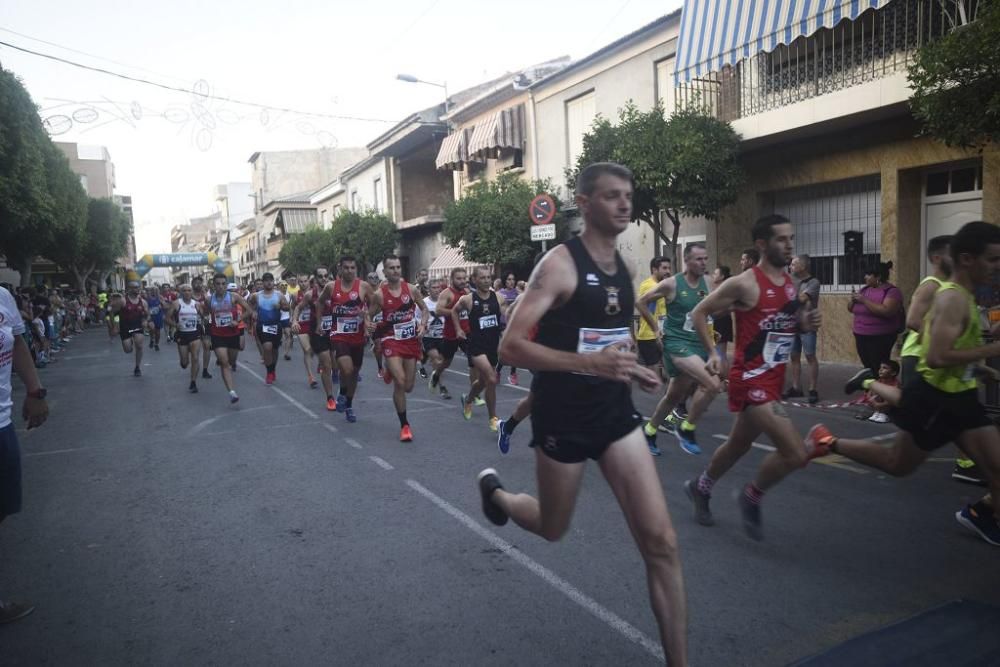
(39, 393)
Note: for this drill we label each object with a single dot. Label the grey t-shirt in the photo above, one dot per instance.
(810, 286)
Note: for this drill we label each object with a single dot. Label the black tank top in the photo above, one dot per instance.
(484, 321)
(600, 309)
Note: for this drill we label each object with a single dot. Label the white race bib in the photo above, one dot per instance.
(285, 315)
(488, 322)
(591, 341)
(188, 323)
(305, 315)
(223, 319)
(689, 323)
(348, 325)
(155, 310)
(405, 330)
(778, 348)
(271, 329)
(435, 329)
(326, 323)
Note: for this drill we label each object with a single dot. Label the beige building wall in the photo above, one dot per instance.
(281, 173)
(888, 148)
(361, 187)
(94, 167)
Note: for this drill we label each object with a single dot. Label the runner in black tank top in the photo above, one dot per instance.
(485, 310)
(584, 362)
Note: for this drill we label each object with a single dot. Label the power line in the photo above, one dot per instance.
(190, 91)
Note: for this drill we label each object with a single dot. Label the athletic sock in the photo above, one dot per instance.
(349, 401)
(705, 484)
(753, 494)
(649, 429)
(402, 418)
(511, 424)
(687, 426)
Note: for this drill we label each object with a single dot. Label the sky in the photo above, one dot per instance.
(335, 58)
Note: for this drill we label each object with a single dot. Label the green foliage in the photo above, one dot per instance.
(492, 223)
(956, 82)
(25, 202)
(684, 165)
(367, 235)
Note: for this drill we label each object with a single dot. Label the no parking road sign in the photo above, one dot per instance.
(542, 209)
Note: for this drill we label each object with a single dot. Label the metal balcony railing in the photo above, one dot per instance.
(877, 44)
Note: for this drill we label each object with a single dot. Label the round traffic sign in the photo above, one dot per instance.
(542, 209)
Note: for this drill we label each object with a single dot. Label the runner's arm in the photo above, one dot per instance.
(444, 309)
(422, 325)
(951, 311)
(730, 294)
(453, 313)
(248, 308)
(920, 305)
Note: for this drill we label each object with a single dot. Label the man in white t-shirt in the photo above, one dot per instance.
(14, 353)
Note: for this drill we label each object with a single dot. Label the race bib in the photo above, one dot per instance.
(404, 330)
(663, 324)
(305, 315)
(188, 323)
(689, 323)
(777, 348)
(155, 310)
(591, 341)
(285, 315)
(271, 329)
(970, 373)
(224, 319)
(488, 322)
(326, 323)
(436, 329)
(348, 325)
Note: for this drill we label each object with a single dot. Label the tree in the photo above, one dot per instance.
(367, 235)
(302, 253)
(25, 203)
(66, 227)
(491, 221)
(684, 165)
(956, 82)
(104, 240)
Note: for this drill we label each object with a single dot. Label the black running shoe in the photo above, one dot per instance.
(137, 372)
(813, 397)
(193, 388)
(702, 512)
(488, 484)
(444, 391)
(205, 374)
(423, 373)
(968, 472)
(856, 383)
(751, 517)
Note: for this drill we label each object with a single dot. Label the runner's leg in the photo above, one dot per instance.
(636, 485)
(306, 355)
(486, 382)
(983, 446)
(899, 459)
(738, 443)
(550, 514)
(193, 352)
(222, 355)
(790, 454)
(137, 340)
(394, 366)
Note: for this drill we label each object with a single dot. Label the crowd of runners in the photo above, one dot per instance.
(573, 326)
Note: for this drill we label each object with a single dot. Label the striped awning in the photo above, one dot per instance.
(504, 129)
(716, 33)
(449, 258)
(297, 220)
(454, 151)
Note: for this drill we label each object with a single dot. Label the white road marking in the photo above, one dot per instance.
(330, 427)
(60, 451)
(832, 460)
(511, 386)
(353, 443)
(281, 393)
(211, 420)
(548, 576)
(381, 463)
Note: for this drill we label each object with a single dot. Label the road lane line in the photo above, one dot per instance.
(758, 445)
(211, 420)
(330, 427)
(60, 451)
(381, 463)
(512, 386)
(281, 393)
(548, 576)
(353, 443)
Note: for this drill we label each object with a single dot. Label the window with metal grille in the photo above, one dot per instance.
(839, 225)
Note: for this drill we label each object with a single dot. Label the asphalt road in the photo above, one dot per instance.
(166, 528)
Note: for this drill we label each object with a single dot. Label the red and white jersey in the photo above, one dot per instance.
(131, 312)
(348, 311)
(398, 314)
(765, 333)
(463, 315)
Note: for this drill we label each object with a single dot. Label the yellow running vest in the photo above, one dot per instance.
(952, 379)
(911, 344)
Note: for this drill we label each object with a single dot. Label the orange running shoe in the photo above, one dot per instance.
(405, 434)
(331, 404)
(819, 440)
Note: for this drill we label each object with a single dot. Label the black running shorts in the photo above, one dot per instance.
(319, 344)
(933, 418)
(224, 342)
(187, 337)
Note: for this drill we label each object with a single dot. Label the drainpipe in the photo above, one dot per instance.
(534, 134)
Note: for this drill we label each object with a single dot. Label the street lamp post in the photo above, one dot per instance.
(409, 78)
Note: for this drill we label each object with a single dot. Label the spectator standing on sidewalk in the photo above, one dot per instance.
(650, 350)
(807, 287)
(14, 354)
(878, 316)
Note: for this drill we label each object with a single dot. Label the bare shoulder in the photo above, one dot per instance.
(555, 273)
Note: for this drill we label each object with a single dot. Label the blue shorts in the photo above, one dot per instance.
(10, 471)
(805, 342)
